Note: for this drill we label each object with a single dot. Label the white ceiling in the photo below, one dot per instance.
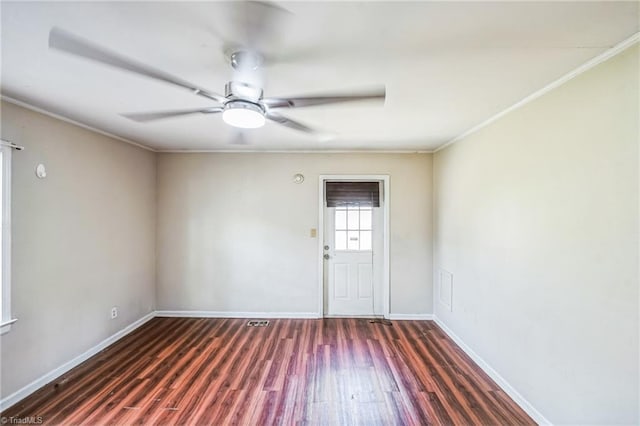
(447, 66)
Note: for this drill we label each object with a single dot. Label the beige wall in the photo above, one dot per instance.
(83, 241)
(233, 230)
(536, 216)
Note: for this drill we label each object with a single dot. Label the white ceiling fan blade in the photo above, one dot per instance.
(292, 124)
(143, 117)
(70, 43)
(378, 94)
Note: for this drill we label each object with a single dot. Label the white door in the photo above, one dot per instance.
(353, 260)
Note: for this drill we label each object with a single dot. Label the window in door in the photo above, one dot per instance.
(353, 227)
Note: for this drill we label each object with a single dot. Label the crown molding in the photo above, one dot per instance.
(71, 121)
(259, 151)
(608, 54)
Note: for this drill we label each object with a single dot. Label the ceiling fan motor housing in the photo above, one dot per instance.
(242, 91)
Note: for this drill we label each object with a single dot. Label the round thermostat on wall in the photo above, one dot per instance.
(298, 178)
(41, 172)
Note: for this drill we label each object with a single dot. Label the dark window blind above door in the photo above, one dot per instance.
(344, 193)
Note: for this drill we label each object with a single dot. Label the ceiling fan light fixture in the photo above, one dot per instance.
(242, 114)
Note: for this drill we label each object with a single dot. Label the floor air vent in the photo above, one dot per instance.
(258, 323)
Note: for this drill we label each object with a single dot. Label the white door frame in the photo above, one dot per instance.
(385, 256)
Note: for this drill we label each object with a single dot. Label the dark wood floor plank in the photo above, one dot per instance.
(66, 391)
(193, 371)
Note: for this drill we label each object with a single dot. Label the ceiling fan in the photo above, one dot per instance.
(243, 104)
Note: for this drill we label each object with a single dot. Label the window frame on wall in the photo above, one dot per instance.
(6, 319)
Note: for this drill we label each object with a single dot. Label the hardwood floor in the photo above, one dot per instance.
(316, 372)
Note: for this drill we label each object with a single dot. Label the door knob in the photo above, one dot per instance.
(326, 256)
(326, 247)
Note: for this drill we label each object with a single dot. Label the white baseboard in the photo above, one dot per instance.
(510, 390)
(303, 315)
(335, 316)
(54, 374)
(410, 317)
(226, 314)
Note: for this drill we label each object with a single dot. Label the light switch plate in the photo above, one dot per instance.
(313, 233)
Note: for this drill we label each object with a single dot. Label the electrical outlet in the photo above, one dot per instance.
(114, 312)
